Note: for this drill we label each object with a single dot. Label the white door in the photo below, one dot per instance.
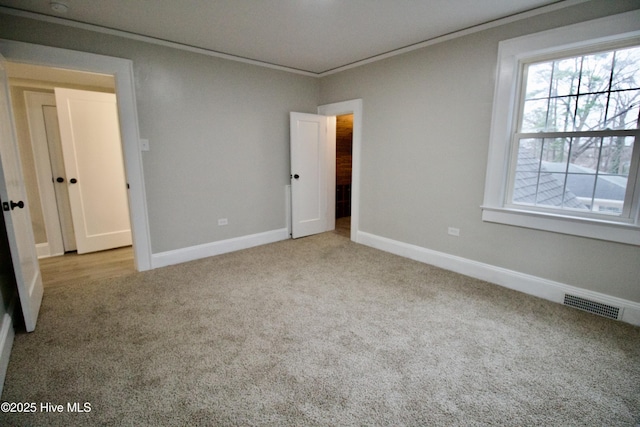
(16, 213)
(56, 161)
(312, 174)
(47, 151)
(92, 151)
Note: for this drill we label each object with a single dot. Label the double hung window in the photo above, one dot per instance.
(564, 153)
(574, 144)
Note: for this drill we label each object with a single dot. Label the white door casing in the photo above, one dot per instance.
(92, 151)
(351, 107)
(311, 174)
(122, 70)
(17, 218)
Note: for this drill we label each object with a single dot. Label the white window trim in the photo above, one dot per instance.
(511, 54)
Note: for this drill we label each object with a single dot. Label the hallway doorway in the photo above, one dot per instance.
(344, 167)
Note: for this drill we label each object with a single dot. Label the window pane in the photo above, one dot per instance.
(555, 154)
(538, 80)
(525, 188)
(550, 189)
(623, 110)
(580, 186)
(585, 155)
(561, 113)
(609, 195)
(596, 72)
(525, 185)
(529, 151)
(591, 112)
(566, 73)
(615, 158)
(626, 71)
(535, 116)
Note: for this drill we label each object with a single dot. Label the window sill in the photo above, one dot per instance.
(592, 228)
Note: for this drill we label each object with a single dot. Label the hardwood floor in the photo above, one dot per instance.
(343, 226)
(69, 268)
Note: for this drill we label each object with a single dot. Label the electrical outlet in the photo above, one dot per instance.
(453, 231)
(223, 221)
(144, 144)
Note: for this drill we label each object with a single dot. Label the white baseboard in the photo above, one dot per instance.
(42, 250)
(192, 253)
(528, 284)
(7, 334)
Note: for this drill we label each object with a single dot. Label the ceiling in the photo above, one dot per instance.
(311, 36)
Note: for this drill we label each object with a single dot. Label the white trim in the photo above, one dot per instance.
(511, 54)
(122, 70)
(595, 229)
(43, 250)
(150, 40)
(7, 335)
(288, 207)
(354, 107)
(526, 283)
(446, 37)
(206, 250)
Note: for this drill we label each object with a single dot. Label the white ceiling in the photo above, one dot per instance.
(314, 36)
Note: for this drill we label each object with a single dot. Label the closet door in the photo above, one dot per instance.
(95, 177)
(63, 204)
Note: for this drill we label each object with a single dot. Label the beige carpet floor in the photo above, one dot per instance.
(319, 331)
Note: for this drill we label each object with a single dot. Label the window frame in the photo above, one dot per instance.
(601, 34)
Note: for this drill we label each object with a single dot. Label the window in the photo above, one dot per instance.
(563, 154)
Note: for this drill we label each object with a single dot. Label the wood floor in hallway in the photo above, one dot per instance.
(71, 267)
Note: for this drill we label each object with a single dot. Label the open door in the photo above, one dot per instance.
(16, 213)
(93, 161)
(312, 174)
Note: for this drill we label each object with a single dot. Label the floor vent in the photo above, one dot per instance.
(593, 307)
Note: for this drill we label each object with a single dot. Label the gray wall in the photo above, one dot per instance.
(219, 134)
(426, 125)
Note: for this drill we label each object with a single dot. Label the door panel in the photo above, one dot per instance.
(63, 205)
(92, 151)
(17, 219)
(42, 130)
(310, 174)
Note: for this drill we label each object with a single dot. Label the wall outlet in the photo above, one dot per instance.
(223, 221)
(453, 231)
(144, 144)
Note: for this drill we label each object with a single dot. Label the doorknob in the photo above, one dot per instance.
(296, 176)
(59, 179)
(14, 205)
(73, 180)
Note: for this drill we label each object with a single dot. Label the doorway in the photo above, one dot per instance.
(121, 70)
(34, 91)
(354, 109)
(344, 161)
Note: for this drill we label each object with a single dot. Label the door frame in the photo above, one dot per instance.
(122, 70)
(354, 107)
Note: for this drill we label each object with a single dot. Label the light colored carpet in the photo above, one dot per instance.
(320, 331)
